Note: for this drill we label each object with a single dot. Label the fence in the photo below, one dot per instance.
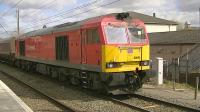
(180, 69)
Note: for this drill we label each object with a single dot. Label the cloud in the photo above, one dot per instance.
(35, 10)
(176, 10)
(188, 5)
(35, 4)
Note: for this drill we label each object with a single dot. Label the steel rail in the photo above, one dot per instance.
(114, 100)
(187, 108)
(51, 99)
(129, 105)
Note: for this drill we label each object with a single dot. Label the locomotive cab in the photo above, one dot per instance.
(125, 54)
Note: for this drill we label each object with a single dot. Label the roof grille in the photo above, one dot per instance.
(65, 24)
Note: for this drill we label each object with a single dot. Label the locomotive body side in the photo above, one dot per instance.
(78, 52)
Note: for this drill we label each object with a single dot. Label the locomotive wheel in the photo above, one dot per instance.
(74, 80)
(103, 89)
(134, 82)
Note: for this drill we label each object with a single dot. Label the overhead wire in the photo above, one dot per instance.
(5, 13)
(64, 12)
(14, 6)
(61, 13)
(4, 28)
(103, 5)
(49, 4)
(42, 7)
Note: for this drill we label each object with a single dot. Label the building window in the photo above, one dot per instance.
(173, 52)
(160, 50)
(92, 36)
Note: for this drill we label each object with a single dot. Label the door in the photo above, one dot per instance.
(83, 46)
(62, 48)
(22, 48)
(91, 52)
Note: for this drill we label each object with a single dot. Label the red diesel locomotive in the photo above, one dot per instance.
(101, 53)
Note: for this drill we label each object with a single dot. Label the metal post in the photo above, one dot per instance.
(197, 88)
(175, 69)
(18, 22)
(199, 17)
(186, 75)
(151, 66)
(167, 69)
(174, 74)
(178, 75)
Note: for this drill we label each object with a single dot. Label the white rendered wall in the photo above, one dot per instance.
(152, 28)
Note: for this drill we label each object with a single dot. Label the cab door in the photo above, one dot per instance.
(83, 46)
(22, 48)
(91, 52)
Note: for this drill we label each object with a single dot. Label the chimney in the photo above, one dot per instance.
(187, 25)
(44, 26)
(154, 14)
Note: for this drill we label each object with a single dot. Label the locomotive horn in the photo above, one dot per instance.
(122, 16)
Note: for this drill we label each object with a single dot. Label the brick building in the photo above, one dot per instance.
(169, 45)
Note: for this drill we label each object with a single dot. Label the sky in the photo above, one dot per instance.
(36, 13)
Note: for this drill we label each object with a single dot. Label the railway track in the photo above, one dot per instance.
(117, 101)
(51, 99)
(183, 107)
(114, 100)
(68, 109)
(152, 105)
(111, 104)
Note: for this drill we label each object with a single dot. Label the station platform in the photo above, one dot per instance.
(178, 96)
(10, 102)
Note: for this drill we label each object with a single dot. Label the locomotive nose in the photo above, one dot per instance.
(129, 54)
(125, 58)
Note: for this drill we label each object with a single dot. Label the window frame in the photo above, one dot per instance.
(94, 37)
(125, 38)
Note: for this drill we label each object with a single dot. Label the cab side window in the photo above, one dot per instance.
(92, 36)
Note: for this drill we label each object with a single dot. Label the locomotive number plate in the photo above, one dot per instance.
(130, 50)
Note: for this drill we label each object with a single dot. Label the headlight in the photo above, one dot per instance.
(112, 65)
(109, 65)
(144, 63)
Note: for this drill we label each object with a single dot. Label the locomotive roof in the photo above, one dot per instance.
(72, 25)
(59, 28)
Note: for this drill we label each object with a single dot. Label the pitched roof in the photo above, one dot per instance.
(191, 36)
(149, 19)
